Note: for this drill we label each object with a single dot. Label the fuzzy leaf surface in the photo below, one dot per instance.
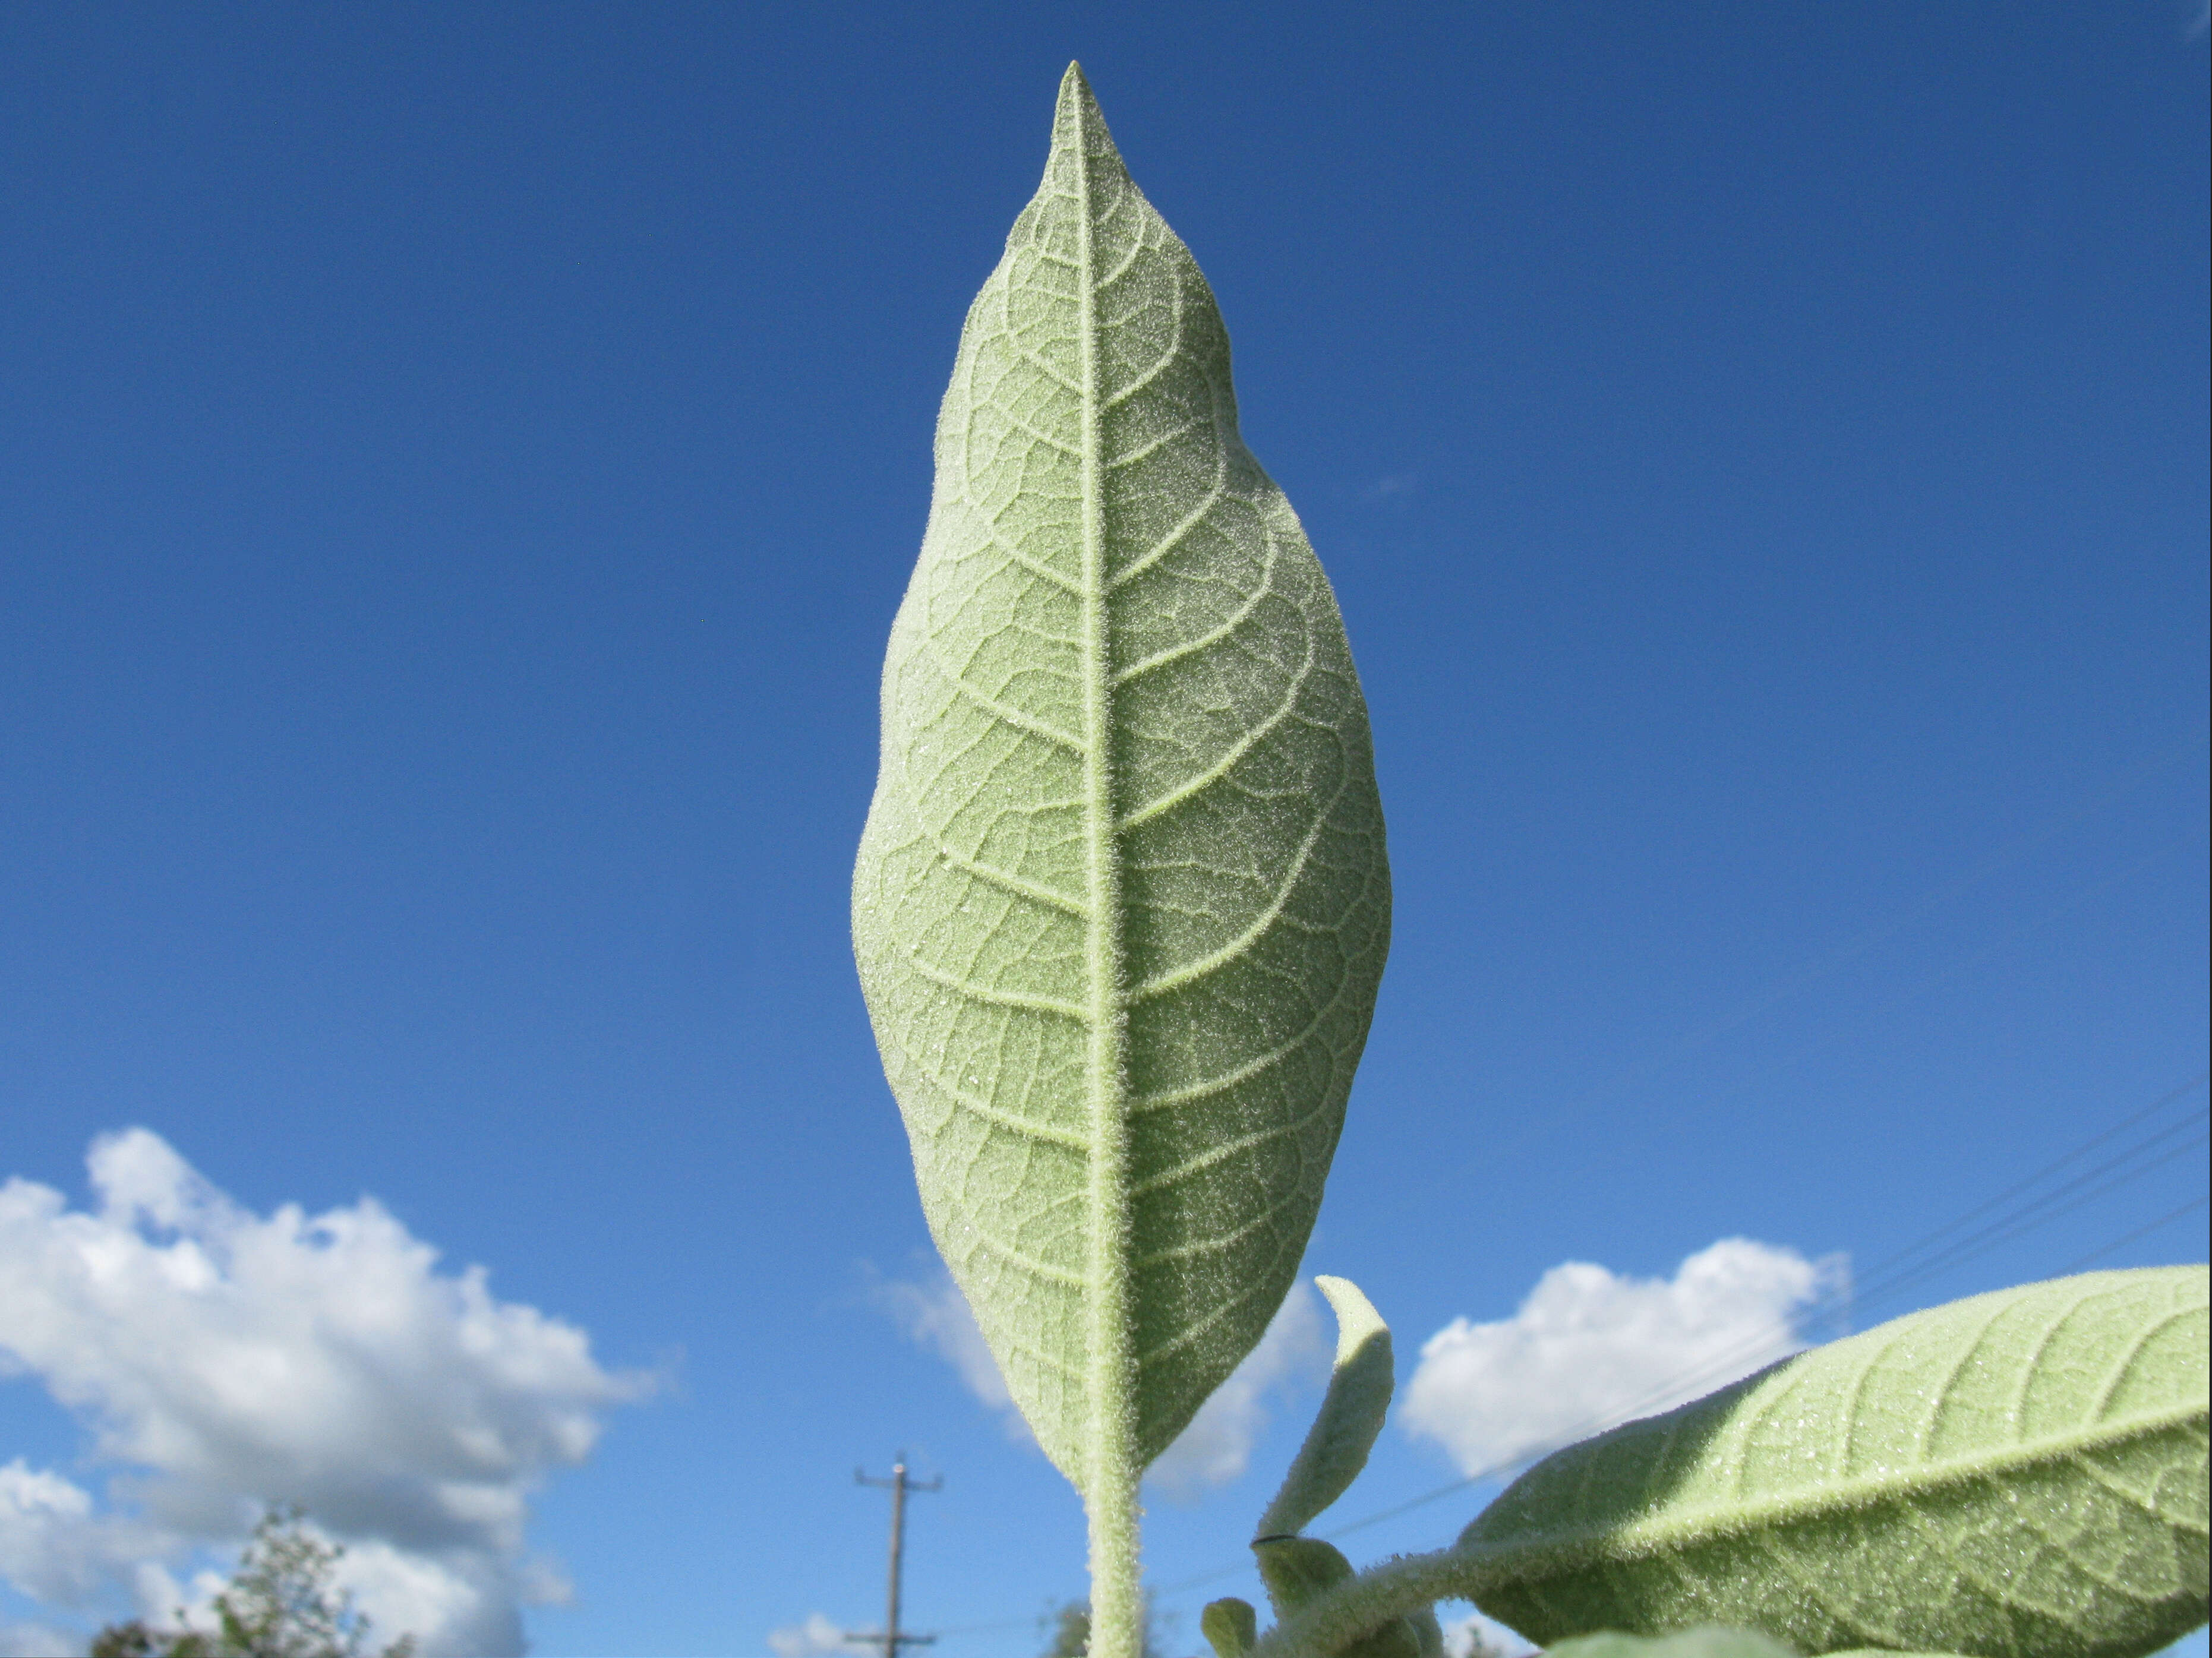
(1232, 1628)
(1121, 904)
(1708, 1643)
(2018, 1475)
(1351, 1415)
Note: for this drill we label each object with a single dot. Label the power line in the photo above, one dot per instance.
(2145, 1230)
(2037, 1211)
(2049, 1169)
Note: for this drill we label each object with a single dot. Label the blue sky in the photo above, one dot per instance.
(461, 464)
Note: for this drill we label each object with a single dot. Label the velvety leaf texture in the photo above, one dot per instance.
(2020, 1475)
(1121, 904)
(1351, 1415)
(1690, 1644)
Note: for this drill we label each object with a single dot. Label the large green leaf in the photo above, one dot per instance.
(1121, 904)
(2020, 1475)
(1708, 1643)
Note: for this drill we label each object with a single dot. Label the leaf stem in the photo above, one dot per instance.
(1361, 1604)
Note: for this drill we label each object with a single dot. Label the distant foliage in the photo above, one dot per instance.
(280, 1603)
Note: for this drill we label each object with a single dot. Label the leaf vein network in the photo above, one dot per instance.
(1150, 446)
(997, 1116)
(2125, 1366)
(1159, 549)
(1801, 1503)
(1007, 714)
(1012, 885)
(1212, 1243)
(1191, 1331)
(1205, 780)
(1001, 1250)
(1014, 556)
(1160, 983)
(1213, 636)
(1175, 1173)
(1192, 1093)
(991, 996)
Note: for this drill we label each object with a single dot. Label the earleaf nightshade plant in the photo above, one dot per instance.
(1120, 913)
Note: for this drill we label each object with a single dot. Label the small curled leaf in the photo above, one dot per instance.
(1336, 1444)
(1297, 1570)
(1232, 1628)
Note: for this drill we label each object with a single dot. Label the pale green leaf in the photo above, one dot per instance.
(1351, 1415)
(1230, 1627)
(1299, 1572)
(2018, 1475)
(1710, 1641)
(1121, 904)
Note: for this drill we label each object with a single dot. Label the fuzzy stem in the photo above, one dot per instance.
(1363, 1603)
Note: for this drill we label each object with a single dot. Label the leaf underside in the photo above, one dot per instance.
(1689, 1643)
(1121, 903)
(1350, 1418)
(2020, 1475)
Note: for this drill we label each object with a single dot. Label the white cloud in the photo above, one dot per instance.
(224, 1359)
(812, 1638)
(38, 1641)
(1589, 1351)
(59, 1550)
(1214, 1449)
(1217, 1446)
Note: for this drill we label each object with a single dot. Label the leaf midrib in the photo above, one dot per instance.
(1712, 1522)
(1111, 1387)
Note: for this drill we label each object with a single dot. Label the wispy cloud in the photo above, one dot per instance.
(38, 1641)
(1589, 1349)
(224, 1359)
(1213, 1450)
(812, 1638)
(1217, 1446)
(935, 1316)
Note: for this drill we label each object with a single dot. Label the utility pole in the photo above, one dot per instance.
(891, 1640)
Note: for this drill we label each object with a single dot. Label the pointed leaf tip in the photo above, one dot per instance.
(1078, 125)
